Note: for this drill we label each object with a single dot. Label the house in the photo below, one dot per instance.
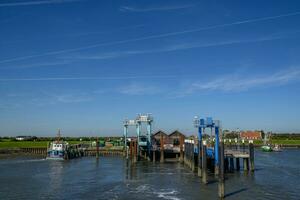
(251, 135)
(175, 136)
(25, 138)
(156, 137)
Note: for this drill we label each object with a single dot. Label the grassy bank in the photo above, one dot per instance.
(280, 141)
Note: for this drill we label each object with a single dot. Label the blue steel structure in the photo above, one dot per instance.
(202, 124)
(141, 141)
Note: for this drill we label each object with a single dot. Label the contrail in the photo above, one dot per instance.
(31, 3)
(150, 37)
(87, 78)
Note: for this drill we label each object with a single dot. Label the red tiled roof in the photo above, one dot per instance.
(251, 134)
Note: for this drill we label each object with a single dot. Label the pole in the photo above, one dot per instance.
(162, 153)
(199, 151)
(138, 139)
(135, 151)
(193, 156)
(149, 139)
(204, 164)
(216, 150)
(97, 148)
(251, 154)
(125, 140)
(181, 149)
(221, 184)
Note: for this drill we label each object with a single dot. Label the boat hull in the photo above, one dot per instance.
(55, 155)
(266, 148)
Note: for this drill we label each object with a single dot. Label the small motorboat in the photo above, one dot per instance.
(266, 148)
(276, 148)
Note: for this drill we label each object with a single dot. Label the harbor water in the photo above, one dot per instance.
(276, 176)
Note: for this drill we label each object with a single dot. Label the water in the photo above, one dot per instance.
(277, 177)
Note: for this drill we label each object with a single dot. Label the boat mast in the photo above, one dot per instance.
(58, 136)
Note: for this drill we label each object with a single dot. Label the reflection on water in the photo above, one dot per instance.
(55, 174)
(276, 177)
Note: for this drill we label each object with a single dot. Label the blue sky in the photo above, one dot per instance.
(85, 65)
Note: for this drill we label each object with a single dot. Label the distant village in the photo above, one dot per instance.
(242, 135)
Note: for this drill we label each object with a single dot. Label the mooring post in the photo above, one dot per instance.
(251, 155)
(221, 184)
(199, 151)
(216, 150)
(181, 149)
(162, 153)
(189, 156)
(237, 161)
(153, 155)
(245, 164)
(193, 155)
(131, 149)
(204, 163)
(97, 148)
(231, 166)
(125, 141)
(135, 151)
(184, 154)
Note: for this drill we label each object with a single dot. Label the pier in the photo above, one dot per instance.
(214, 155)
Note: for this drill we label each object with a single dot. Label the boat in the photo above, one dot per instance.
(277, 148)
(266, 148)
(57, 149)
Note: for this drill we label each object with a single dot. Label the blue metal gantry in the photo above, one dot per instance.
(202, 124)
(141, 141)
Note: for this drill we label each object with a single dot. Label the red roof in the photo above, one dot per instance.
(251, 134)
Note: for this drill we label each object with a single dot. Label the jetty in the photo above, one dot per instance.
(200, 155)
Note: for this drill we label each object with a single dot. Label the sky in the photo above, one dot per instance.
(86, 65)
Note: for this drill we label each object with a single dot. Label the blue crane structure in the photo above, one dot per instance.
(144, 142)
(202, 124)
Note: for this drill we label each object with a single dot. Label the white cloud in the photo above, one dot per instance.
(234, 83)
(170, 48)
(32, 3)
(37, 65)
(164, 35)
(139, 89)
(154, 8)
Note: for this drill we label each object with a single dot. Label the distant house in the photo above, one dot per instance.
(25, 138)
(251, 135)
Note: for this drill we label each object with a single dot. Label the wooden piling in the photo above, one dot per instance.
(226, 164)
(135, 151)
(221, 185)
(192, 157)
(189, 155)
(245, 164)
(162, 153)
(131, 149)
(199, 159)
(204, 164)
(231, 164)
(153, 156)
(237, 162)
(251, 155)
(181, 149)
(97, 148)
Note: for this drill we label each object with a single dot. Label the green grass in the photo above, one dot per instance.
(295, 142)
(27, 144)
(280, 141)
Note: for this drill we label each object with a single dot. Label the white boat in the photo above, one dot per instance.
(277, 148)
(57, 149)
